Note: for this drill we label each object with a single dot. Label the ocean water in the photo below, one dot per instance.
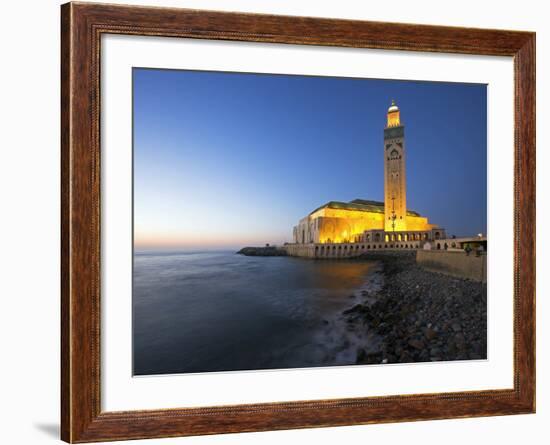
(219, 311)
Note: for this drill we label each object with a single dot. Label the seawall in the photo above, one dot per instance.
(455, 263)
(450, 262)
(346, 250)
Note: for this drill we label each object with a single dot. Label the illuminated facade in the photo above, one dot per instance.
(387, 224)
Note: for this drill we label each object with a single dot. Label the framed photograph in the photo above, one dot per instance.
(275, 222)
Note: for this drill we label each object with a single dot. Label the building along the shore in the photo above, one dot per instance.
(343, 229)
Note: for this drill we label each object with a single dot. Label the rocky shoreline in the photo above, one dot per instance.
(418, 315)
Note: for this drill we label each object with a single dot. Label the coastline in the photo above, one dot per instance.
(417, 315)
(262, 251)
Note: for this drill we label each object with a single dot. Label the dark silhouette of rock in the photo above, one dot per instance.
(263, 251)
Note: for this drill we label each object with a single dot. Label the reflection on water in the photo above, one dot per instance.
(218, 311)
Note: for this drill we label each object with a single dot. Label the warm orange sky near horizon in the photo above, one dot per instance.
(195, 241)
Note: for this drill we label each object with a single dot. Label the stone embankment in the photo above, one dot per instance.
(419, 315)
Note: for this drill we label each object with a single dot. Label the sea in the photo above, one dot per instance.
(214, 311)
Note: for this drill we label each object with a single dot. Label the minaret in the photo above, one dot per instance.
(395, 189)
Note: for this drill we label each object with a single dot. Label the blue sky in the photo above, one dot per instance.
(228, 159)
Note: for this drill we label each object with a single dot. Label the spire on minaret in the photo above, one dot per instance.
(393, 115)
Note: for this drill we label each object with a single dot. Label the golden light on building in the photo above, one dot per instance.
(368, 221)
(393, 115)
(343, 222)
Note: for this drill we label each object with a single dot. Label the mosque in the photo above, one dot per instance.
(350, 228)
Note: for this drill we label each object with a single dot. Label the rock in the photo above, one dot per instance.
(384, 328)
(430, 334)
(355, 309)
(398, 347)
(451, 348)
(424, 356)
(417, 344)
(263, 251)
(374, 358)
(460, 341)
(420, 315)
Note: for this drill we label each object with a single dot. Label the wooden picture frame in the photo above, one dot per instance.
(82, 25)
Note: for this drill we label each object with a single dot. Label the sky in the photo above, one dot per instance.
(233, 159)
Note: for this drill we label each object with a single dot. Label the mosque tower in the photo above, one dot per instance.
(395, 188)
